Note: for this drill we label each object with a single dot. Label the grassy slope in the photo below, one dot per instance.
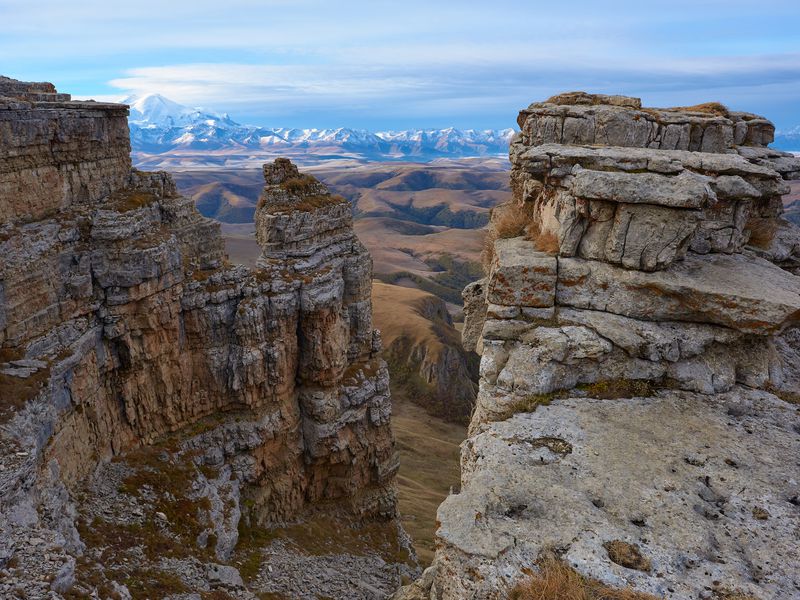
(429, 467)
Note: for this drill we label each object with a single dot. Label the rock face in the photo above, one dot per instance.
(657, 343)
(122, 326)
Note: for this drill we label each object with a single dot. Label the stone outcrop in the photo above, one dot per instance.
(639, 351)
(231, 400)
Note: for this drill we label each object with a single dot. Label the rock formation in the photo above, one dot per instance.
(233, 402)
(639, 359)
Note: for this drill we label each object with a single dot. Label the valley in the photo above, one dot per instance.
(422, 222)
(424, 226)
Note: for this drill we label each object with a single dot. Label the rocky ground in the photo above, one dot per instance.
(637, 410)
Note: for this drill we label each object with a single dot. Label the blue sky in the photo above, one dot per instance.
(397, 64)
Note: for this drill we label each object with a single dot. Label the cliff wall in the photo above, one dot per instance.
(232, 401)
(636, 418)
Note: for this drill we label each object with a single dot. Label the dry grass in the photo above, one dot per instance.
(15, 392)
(127, 200)
(307, 204)
(627, 555)
(305, 184)
(429, 468)
(709, 108)
(608, 389)
(762, 232)
(509, 220)
(558, 581)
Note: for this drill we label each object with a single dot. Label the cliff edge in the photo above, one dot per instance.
(637, 414)
(168, 421)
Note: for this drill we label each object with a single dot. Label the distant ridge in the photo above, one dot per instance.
(159, 125)
(788, 140)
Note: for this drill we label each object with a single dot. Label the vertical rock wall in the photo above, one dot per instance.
(638, 344)
(122, 326)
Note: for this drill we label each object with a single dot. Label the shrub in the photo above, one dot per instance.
(558, 581)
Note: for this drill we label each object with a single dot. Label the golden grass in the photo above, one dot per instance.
(509, 220)
(558, 581)
(127, 200)
(429, 468)
(762, 232)
(710, 108)
(627, 555)
(304, 184)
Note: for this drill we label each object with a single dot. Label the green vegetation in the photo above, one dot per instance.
(608, 389)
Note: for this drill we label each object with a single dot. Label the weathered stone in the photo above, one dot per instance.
(687, 190)
(521, 276)
(116, 301)
(628, 470)
(741, 292)
(662, 290)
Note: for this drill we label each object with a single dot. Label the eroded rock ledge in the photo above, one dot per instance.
(639, 347)
(233, 402)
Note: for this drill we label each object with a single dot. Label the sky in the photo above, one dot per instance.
(381, 64)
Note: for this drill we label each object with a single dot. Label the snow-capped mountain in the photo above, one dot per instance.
(159, 126)
(788, 140)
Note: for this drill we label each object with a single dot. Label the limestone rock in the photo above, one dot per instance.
(625, 418)
(678, 475)
(121, 324)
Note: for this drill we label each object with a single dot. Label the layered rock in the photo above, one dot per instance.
(656, 267)
(122, 326)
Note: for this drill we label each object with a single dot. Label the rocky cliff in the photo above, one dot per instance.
(639, 337)
(168, 419)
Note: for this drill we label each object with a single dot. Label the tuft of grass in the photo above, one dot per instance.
(608, 389)
(762, 232)
(509, 220)
(15, 392)
(627, 555)
(127, 200)
(308, 204)
(304, 184)
(558, 581)
(709, 108)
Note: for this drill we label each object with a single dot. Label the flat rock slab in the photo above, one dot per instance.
(706, 486)
(521, 275)
(742, 292)
(687, 190)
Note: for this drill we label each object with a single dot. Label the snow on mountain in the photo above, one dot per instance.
(159, 125)
(788, 140)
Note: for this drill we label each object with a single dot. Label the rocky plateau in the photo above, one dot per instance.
(637, 416)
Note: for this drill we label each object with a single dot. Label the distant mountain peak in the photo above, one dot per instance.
(159, 125)
(156, 110)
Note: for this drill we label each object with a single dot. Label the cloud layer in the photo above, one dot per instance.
(389, 64)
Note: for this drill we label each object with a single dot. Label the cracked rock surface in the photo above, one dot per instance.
(637, 412)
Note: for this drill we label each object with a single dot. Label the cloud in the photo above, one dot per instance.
(318, 62)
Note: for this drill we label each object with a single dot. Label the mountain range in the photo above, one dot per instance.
(788, 140)
(159, 125)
